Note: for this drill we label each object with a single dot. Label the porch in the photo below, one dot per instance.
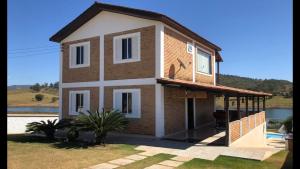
(232, 126)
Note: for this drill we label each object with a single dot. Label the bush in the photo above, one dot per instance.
(101, 123)
(54, 99)
(70, 125)
(48, 128)
(39, 97)
(288, 123)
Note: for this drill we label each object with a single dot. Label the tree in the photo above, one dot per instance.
(56, 85)
(51, 85)
(39, 97)
(101, 123)
(36, 87)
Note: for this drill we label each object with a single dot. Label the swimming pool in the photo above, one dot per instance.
(275, 136)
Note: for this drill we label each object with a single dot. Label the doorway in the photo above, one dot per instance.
(190, 111)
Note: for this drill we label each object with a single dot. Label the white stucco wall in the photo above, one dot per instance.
(16, 123)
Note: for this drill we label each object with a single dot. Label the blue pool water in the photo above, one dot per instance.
(274, 135)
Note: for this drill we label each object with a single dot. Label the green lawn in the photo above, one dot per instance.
(280, 160)
(35, 153)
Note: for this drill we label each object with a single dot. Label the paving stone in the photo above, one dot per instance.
(121, 161)
(104, 166)
(135, 157)
(171, 163)
(182, 158)
(149, 153)
(157, 166)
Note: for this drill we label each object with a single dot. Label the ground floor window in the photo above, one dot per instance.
(79, 101)
(127, 101)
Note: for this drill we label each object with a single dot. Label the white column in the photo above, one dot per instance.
(159, 111)
(60, 83)
(159, 52)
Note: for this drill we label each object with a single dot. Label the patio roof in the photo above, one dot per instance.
(213, 88)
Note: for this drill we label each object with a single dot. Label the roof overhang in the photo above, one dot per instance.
(230, 91)
(98, 7)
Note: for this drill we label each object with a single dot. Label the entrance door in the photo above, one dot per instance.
(190, 110)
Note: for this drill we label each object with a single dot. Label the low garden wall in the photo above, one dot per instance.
(16, 123)
(248, 124)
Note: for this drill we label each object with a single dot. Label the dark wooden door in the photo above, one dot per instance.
(190, 108)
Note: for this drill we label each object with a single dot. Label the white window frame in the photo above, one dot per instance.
(133, 114)
(132, 59)
(211, 59)
(87, 62)
(187, 48)
(84, 92)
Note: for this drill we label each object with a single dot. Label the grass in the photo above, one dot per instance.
(148, 161)
(35, 153)
(282, 159)
(275, 102)
(26, 97)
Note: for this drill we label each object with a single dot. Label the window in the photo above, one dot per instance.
(203, 60)
(80, 55)
(79, 101)
(127, 101)
(126, 48)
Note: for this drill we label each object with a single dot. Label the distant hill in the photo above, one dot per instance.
(14, 87)
(276, 87)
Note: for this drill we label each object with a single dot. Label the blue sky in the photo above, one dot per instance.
(255, 35)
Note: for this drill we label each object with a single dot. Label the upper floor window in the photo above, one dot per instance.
(80, 55)
(79, 101)
(203, 62)
(128, 102)
(126, 48)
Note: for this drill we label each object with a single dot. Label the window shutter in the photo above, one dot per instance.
(136, 103)
(118, 101)
(73, 55)
(72, 103)
(135, 47)
(86, 103)
(118, 49)
(86, 54)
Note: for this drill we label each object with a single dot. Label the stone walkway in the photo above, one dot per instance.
(199, 150)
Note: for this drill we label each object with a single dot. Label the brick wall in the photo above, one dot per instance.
(234, 130)
(175, 53)
(174, 111)
(245, 127)
(94, 99)
(83, 74)
(252, 123)
(145, 124)
(145, 68)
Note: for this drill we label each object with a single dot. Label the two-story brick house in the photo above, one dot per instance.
(145, 64)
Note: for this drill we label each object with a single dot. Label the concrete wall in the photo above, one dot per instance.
(16, 123)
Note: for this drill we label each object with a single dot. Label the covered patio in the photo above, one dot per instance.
(232, 122)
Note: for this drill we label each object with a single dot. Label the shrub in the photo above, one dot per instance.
(101, 123)
(70, 125)
(39, 97)
(54, 99)
(288, 123)
(48, 128)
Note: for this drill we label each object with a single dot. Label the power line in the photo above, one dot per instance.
(33, 51)
(37, 47)
(38, 54)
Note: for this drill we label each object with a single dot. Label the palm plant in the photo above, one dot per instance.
(48, 128)
(101, 123)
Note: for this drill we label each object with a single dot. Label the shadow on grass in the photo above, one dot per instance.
(60, 144)
(288, 163)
